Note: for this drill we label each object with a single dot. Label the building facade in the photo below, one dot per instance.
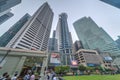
(64, 39)
(118, 41)
(35, 33)
(107, 60)
(52, 43)
(5, 12)
(76, 46)
(94, 37)
(89, 58)
(18, 60)
(7, 36)
(5, 17)
(7, 4)
(115, 3)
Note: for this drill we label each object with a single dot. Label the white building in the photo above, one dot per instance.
(35, 33)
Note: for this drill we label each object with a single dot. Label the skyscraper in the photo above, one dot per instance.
(52, 43)
(5, 17)
(64, 39)
(76, 46)
(94, 37)
(35, 33)
(5, 6)
(7, 36)
(5, 12)
(118, 41)
(115, 3)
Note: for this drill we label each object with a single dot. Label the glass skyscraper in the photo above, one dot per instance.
(118, 41)
(64, 39)
(35, 33)
(94, 37)
(5, 6)
(115, 3)
(52, 43)
(7, 36)
(5, 17)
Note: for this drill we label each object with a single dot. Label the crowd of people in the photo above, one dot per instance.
(6, 76)
(30, 75)
(51, 75)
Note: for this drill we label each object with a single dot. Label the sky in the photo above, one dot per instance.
(104, 15)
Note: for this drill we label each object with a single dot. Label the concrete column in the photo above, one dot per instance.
(43, 69)
(20, 64)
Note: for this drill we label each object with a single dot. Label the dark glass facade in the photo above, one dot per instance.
(118, 41)
(7, 36)
(94, 37)
(7, 4)
(5, 17)
(115, 3)
(52, 43)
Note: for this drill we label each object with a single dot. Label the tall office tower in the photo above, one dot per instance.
(5, 17)
(7, 36)
(64, 39)
(5, 12)
(52, 43)
(115, 3)
(118, 41)
(7, 4)
(77, 45)
(94, 37)
(35, 33)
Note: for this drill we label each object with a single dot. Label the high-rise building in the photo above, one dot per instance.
(94, 37)
(115, 3)
(5, 12)
(7, 4)
(5, 17)
(64, 39)
(35, 33)
(52, 43)
(118, 41)
(7, 36)
(77, 45)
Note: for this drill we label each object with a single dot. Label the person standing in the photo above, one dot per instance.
(14, 77)
(55, 77)
(27, 76)
(32, 77)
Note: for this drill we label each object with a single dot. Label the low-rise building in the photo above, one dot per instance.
(89, 58)
(107, 60)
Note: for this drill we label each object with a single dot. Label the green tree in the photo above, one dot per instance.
(81, 68)
(90, 68)
(62, 69)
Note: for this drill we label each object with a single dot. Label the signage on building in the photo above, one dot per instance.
(55, 58)
(74, 63)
